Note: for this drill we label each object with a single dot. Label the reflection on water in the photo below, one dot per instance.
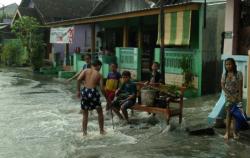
(39, 118)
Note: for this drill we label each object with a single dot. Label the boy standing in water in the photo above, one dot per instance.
(90, 97)
(232, 85)
(112, 83)
(87, 59)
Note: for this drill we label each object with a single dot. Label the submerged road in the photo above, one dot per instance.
(39, 118)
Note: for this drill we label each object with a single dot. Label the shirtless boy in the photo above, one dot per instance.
(90, 98)
(87, 59)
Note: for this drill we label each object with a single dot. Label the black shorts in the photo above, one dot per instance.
(90, 99)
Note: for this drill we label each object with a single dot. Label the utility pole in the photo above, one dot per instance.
(162, 53)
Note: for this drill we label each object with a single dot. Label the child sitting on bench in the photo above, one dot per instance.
(125, 96)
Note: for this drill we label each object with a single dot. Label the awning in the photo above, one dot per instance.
(177, 28)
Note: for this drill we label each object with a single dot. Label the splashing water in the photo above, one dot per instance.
(39, 118)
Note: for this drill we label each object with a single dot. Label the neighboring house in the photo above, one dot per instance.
(58, 10)
(235, 44)
(6, 15)
(7, 12)
(237, 39)
(237, 28)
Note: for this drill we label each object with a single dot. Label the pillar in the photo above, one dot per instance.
(140, 35)
(231, 27)
(52, 55)
(93, 38)
(66, 55)
(125, 36)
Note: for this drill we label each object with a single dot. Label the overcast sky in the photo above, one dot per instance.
(7, 2)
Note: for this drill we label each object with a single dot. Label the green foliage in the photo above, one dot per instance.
(28, 31)
(170, 90)
(37, 53)
(185, 63)
(186, 66)
(11, 53)
(24, 28)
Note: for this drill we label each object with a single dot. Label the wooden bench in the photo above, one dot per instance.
(169, 110)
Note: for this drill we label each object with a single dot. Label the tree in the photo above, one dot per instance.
(28, 30)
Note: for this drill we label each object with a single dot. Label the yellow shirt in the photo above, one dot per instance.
(111, 84)
(112, 81)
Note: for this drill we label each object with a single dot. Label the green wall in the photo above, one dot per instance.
(173, 55)
(129, 59)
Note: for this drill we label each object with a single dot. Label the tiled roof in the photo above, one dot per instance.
(9, 9)
(29, 12)
(60, 10)
(56, 10)
(119, 6)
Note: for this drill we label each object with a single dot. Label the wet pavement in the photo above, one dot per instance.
(39, 118)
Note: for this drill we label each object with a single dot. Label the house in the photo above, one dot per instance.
(7, 12)
(6, 15)
(237, 40)
(130, 30)
(46, 11)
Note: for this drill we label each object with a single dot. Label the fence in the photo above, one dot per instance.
(129, 59)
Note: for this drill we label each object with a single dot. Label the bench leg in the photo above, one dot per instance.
(132, 112)
(180, 118)
(167, 118)
(167, 121)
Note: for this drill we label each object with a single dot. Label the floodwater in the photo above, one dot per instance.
(39, 118)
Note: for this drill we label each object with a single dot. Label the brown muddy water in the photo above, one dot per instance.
(39, 118)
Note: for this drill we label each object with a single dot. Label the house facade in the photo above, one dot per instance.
(237, 39)
(140, 29)
(235, 42)
(130, 30)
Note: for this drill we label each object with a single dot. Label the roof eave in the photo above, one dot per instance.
(138, 13)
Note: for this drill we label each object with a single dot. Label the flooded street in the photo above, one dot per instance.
(39, 118)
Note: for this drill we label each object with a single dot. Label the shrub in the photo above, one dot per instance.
(28, 30)
(12, 53)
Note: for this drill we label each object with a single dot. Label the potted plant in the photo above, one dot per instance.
(186, 66)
